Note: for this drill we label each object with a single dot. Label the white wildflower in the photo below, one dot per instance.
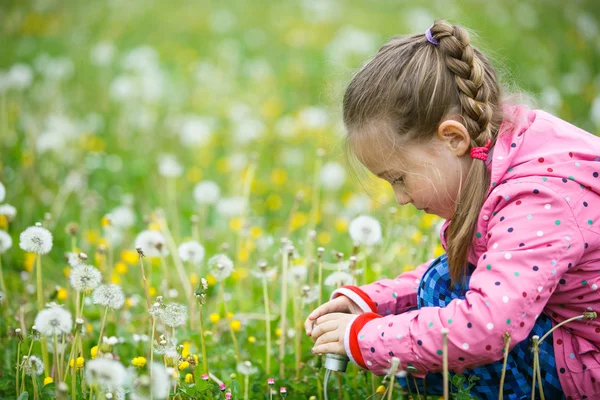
(204, 284)
(231, 206)
(333, 176)
(169, 167)
(309, 294)
(8, 211)
(33, 366)
(85, 278)
(207, 192)
(73, 259)
(196, 131)
(5, 242)
(20, 76)
(2, 192)
(339, 278)
(54, 321)
(246, 368)
(153, 243)
(122, 217)
(220, 266)
(158, 388)
(36, 239)
(365, 230)
(175, 315)
(192, 252)
(108, 374)
(314, 117)
(110, 295)
(297, 274)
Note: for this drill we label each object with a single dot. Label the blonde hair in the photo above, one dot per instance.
(412, 84)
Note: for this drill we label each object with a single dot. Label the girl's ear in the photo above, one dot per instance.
(455, 136)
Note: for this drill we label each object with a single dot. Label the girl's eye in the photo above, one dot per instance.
(398, 181)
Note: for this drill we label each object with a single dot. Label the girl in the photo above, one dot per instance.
(519, 190)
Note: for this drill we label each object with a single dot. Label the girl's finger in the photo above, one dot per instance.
(329, 348)
(327, 337)
(334, 305)
(322, 328)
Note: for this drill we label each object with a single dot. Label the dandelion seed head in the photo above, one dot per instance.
(333, 176)
(36, 239)
(365, 230)
(109, 295)
(106, 373)
(192, 252)
(33, 366)
(220, 266)
(10, 212)
(246, 368)
(338, 278)
(175, 315)
(122, 217)
(207, 192)
(5, 242)
(230, 207)
(152, 243)
(169, 167)
(85, 278)
(54, 320)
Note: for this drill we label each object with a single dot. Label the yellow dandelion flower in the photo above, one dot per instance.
(129, 302)
(185, 353)
(3, 222)
(211, 280)
(89, 328)
(235, 224)
(105, 222)
(278, 332)
(94, 351)
(116, 279)
(251, 339)
(235, 325)
(278, 176)
(48, 380)
(80, 361)
(91, 236)
(130, 256)
(274, 202)
(152, 291)
(214, 318)
(29, 260)
(243, 255)
(121, 268)
(417, 236)
(62, 294)
(183, 365)
(194, 279)
(323, 238)
(139, 362)
(189, 378)
(195, 358)
(67, 271)
(256, 232)
(341, 224)
(153, 226)
(194, 175)
(299, 219)
(229, 315)
(380, 389)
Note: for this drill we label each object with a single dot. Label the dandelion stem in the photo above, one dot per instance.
(586, 315)
(55, 358)
(267, 326)
(535, 339)
(23, 369)
(314, 210)
(152, 351)
(284, 279)
(204, 358)
(35, 386)
(73, 381)
(298, 335)
(320, 258)
(507, 339)
(102, 327)
(3, 287)
(18, 361)
(246, 384)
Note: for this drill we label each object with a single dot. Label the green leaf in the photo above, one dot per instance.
(23, 396)
(236, 389)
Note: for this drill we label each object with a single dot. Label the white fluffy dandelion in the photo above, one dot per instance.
(85, 278)
(230, 207)
(75, 259)
(8, 211)
(5, 242)
(220, 266)
(33, 366)
(365, 230)
(153, 243)
(246, 368)
(110, 295)
(175, 315)
(169, 167)
(207, 192)
(36, 239)
(333, 176)
(109, 374)
(54, 321)
(2, 192)
(192, 252)
(157, 388)
(339, 278)
(122, 217)
(297, 274)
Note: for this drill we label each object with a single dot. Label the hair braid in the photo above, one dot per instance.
(474, 95)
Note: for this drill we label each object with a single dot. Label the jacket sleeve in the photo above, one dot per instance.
(532, 239)
(386, 296)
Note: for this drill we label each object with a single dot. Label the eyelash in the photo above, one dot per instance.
(398, 180)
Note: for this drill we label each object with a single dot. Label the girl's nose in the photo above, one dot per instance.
(401, 198)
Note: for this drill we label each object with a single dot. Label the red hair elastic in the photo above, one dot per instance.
(481, 153)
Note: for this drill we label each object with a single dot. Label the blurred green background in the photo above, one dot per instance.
(110, 105)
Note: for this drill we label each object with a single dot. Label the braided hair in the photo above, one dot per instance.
(413, 83)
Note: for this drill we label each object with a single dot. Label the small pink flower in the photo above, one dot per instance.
(205, 377)
(271, 381)
(228, 395)
(222, 386)
(283, 390)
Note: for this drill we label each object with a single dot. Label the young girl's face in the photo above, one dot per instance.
(429, 175)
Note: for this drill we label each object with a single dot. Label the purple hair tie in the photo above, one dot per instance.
(430, 37)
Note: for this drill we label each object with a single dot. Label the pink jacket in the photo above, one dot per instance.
(537, 249)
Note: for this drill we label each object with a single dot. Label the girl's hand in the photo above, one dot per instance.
(328, 333)
(341, 304)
